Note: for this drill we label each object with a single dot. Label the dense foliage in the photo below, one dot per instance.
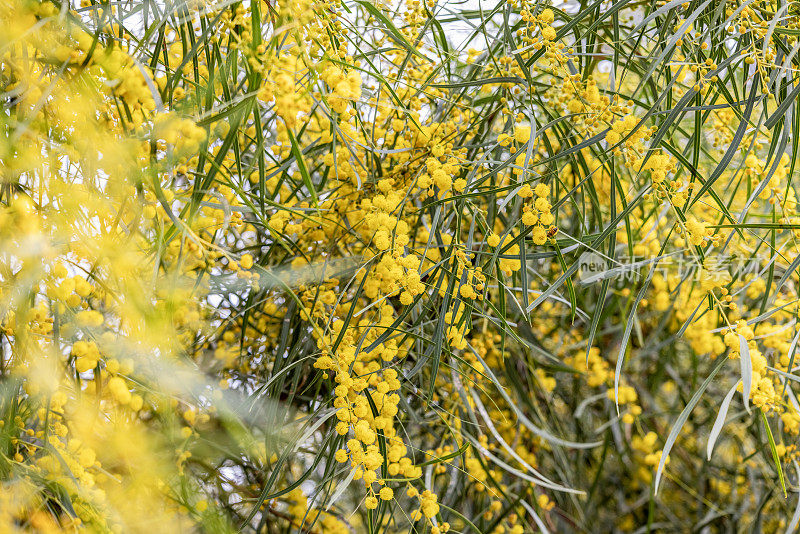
(343, 266)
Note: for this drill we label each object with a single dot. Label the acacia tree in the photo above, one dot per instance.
(412, 266)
